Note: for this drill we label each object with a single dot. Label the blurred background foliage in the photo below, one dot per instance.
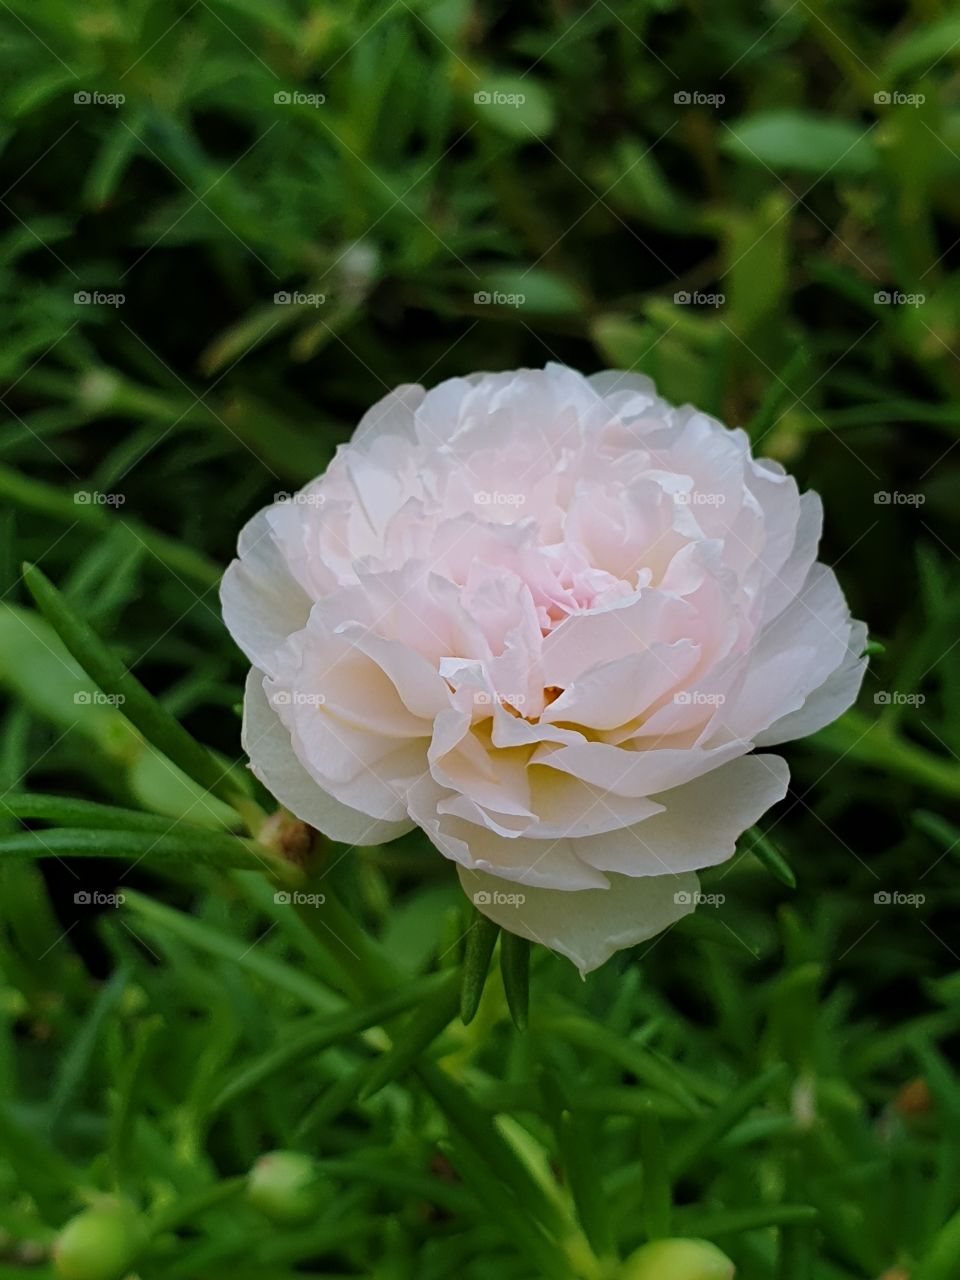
(757, 205)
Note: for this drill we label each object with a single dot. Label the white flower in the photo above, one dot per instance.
(546, 618)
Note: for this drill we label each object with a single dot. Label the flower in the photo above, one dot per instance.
(547, 618)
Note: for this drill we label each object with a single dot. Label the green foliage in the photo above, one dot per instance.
(716, 195)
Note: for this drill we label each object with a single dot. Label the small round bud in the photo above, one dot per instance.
(100, 1243)
(286, 1187)
(678, 1260)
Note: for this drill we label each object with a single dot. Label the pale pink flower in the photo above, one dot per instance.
(548, 619)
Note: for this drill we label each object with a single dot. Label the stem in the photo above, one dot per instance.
(873, 743)
(362, 970)
(361, 967)
(190, 1206)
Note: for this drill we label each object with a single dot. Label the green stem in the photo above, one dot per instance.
(873, 743)
(363, 970)
(191, 1206)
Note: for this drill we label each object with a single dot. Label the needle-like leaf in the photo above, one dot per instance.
(481, 939)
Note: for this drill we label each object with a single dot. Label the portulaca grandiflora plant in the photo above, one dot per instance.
(557, 625)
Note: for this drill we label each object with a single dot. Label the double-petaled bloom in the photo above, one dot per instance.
(552, 621)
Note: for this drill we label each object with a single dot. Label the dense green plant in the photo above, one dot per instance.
(442, 187)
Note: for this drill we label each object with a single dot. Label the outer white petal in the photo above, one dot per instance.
(700, 822)
(837, 693)
(393, 415)
(589, 925)
(787, 576)
(262, 601)
(272, 759)
(791, 658)
(628, 395)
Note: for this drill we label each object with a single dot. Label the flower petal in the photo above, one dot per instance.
(700, 822)
(794, 656)
(837, 693)
(262, 601)
(589, 926)
(272, 759)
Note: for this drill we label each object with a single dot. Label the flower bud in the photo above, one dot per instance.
(678, 1260)
(286, 1187)
(100, 1243)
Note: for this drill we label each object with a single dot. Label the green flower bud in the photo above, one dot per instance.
(678, 1260)
(286, 1187)
(99, 1244)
